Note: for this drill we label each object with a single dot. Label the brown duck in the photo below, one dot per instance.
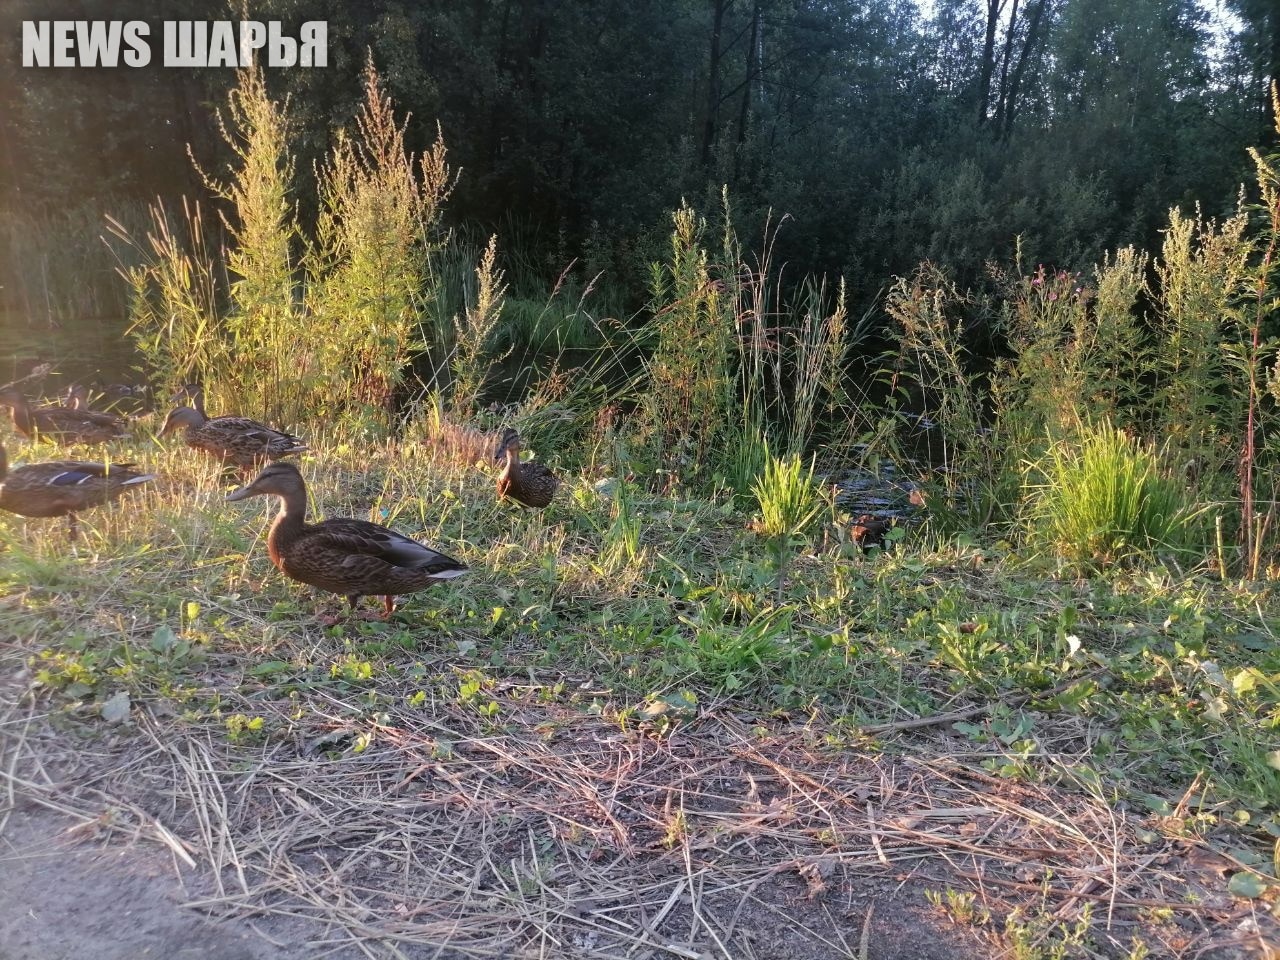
(77, 399)
(354, 558)
(61, 424)
(869, 531)
(531, 484)
(63, 488)
(237, 441)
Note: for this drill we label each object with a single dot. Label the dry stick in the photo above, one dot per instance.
(693, 901)
(864, 942)
(875, 836)
(38, 372)
(1011, 699)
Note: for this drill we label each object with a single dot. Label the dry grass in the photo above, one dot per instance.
(552, 831)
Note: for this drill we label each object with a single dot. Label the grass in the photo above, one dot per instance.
(1145, 699)
(1107, 498)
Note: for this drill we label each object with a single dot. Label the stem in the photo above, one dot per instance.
(782, 556)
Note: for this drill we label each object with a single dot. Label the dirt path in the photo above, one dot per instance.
(67, 895)
(64, 896)
(563, 835)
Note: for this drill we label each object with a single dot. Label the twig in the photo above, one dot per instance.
(1010, 699)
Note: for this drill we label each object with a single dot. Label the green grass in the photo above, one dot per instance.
(1136, 684)
(1106, 498)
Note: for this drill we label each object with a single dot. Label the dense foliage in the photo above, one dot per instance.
(888, 134)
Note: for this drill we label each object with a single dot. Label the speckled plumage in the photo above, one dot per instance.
(61, 424)
(62, 488)
(78, 400)
(237, 441)
(354, 558)
(532, 484)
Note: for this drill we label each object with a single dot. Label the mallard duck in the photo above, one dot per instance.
(531, 484)
(351, 557)
(62, 488)
(60, 423)
(77, 398)
(238, 441)
(868, 531)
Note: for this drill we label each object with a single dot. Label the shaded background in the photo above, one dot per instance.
(888, 132)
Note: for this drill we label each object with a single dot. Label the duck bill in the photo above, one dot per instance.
(243, 493)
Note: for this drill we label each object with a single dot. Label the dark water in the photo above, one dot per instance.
(91, 350)
(97, 351)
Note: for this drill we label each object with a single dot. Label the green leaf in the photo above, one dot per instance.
(268, 668)
(1244, 681)
(1247, 885)
(1157, 805)
(163, 638)
(115, 709)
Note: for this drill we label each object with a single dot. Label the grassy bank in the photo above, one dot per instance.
(679, 712)
(642, 619)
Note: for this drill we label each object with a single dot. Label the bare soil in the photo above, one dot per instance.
(66, 896)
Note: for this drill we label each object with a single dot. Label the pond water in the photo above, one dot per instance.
(89, 350)
(97, 351)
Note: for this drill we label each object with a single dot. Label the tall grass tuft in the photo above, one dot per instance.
(620, 548)
(1203, 273)
(1104, 498)
(789, 502)
(935, 373)
(173, 297)
(380, 212)
(792, 357)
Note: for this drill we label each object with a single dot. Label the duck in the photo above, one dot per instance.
(237, 441)
(530, 484)
(77, 398)
(869, 531)
(340, 555)
(62, 488)
(57, 423)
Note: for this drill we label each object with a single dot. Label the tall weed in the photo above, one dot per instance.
(380, 211)
(268, 350)
(688, 398)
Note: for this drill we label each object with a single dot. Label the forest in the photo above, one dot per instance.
(818, 460)
(887, 134)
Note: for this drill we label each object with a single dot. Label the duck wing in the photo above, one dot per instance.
(60, 486)
(77, 423)
(241, 433)
(67, 473)
(360, 538)
(244, 427)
